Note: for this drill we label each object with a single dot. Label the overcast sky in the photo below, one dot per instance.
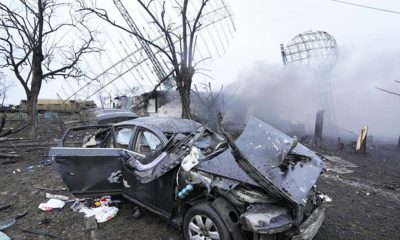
(366, 38)
(264, 24)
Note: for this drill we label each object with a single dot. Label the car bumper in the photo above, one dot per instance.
(309, 228)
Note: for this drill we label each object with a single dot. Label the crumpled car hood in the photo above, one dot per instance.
(265, 146)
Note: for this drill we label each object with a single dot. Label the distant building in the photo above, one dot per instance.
(59, 105)
(204, 106)
(123, 102)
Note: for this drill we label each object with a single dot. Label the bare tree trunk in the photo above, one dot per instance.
(184, 82)
(36, 84)
(3, 121)
(185, 99)
(184, 85)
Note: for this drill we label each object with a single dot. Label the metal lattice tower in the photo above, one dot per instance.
(134, 66)
(318, 52)
(158, 69)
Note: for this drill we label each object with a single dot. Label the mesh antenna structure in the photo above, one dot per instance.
(131, 66)
(318, 52)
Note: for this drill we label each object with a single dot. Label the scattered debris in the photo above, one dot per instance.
(7, 223)
(9, 155)
(3, 236)
(45, 221)
(51, 204)
(5, 207)
(50, 189)
(39, 232)
(136, 214)
(29, 168)
(59, 197)
(361, 146)
(21, 215)
(325, 197)
(8, 161)
(45, 162)
(102, 213)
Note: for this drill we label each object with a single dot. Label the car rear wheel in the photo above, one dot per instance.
(201, 222)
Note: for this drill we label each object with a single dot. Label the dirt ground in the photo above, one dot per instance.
(365, 190)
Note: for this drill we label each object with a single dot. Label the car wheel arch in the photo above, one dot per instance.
(228, 213)
(205, 209)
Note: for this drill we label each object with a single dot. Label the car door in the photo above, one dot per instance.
(158, 195)
(89, 159)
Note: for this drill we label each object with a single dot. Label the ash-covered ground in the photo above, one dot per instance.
(365, 190)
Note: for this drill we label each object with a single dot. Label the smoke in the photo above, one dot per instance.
(283, 97)
(357, 101)
(288, 97)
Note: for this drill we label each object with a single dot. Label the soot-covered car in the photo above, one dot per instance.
(259, 186)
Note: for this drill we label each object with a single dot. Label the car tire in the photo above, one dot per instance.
(202, 222)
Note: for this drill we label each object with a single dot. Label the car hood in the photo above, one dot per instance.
(265, 147)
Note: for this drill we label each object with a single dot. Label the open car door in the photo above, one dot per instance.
(90, 172)
(86, 163)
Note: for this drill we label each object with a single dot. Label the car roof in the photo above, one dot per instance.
(115, 114)
(164, 124)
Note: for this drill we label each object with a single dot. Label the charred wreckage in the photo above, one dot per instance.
(260, 186)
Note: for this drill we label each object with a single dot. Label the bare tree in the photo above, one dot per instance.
(29, 46)
(178, 43)
(4, 87)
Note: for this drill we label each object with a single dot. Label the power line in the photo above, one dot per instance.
(364, 6)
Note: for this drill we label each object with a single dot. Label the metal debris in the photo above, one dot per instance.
(5, 207)
(7, 223)
(361, 146)
(3, 236)
(40, 232)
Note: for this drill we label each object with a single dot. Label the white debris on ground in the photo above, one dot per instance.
(51, 204)
(102, 213)
(338, 165)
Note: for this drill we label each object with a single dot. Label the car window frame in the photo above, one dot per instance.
(130, 144)
(65, 134)
(161, 137)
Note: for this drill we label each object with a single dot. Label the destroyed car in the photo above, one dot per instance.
(259, 186)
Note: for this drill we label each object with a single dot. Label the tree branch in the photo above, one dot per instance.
(383, 90)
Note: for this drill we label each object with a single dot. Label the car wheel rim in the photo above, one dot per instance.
(202, 228)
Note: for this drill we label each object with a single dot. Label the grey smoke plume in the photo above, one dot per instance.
(282, 95)
(357, 101)
(276, 95)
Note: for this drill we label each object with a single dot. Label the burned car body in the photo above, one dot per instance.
(260, 187)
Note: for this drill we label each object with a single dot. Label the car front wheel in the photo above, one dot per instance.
(201, 222)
